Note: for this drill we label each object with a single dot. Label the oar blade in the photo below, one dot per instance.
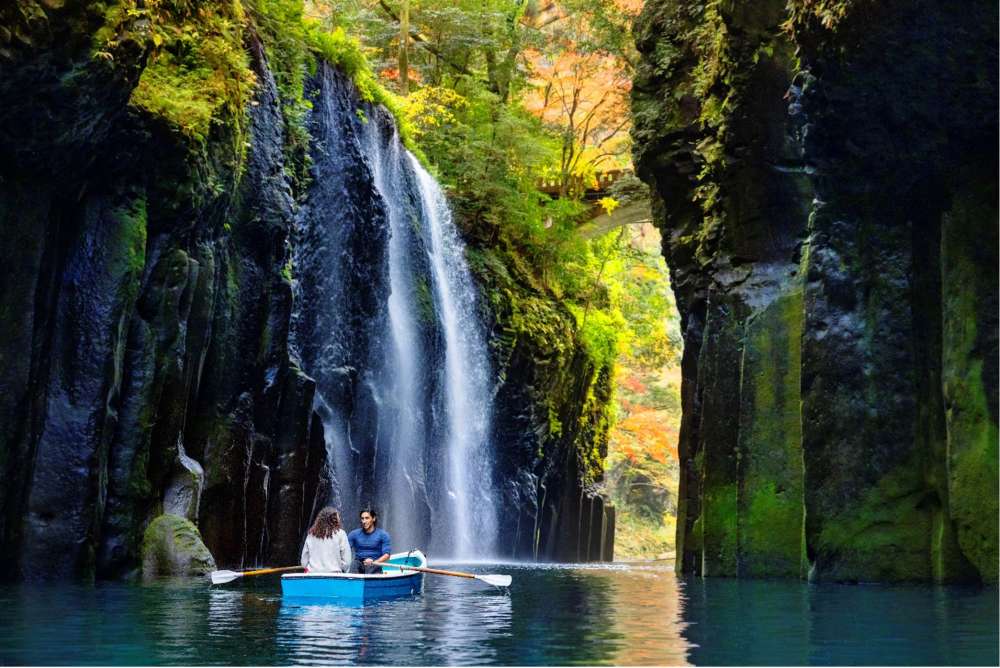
(222, 577)
(496, 580)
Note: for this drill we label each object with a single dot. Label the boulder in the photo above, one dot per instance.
(172, 545)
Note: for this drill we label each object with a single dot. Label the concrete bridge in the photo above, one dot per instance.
(598, 221)
(588, 190)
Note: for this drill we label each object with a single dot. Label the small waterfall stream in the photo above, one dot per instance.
(386, 322)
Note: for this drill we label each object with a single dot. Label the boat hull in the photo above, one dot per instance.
(356, 587)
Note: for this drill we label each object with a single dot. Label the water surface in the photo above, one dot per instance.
(553, 615)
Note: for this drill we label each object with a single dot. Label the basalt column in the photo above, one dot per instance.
(828, 204)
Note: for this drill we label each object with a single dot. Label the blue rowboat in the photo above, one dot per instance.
(358, 588)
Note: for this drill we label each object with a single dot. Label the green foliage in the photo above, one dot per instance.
(637, 537)
(489, 155)
(343, 51)
(828, 13)
(600, 332)
(197, 72)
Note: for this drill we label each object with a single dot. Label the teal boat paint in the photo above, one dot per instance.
(357, 587)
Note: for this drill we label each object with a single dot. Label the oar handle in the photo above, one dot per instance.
(429, 570)
(265, 571)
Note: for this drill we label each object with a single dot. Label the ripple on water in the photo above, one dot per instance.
(617, 614)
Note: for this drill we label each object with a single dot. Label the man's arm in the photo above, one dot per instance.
(386, 547)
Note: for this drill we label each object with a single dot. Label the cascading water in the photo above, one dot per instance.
(386, 323)
(401, 380)
(467, 377)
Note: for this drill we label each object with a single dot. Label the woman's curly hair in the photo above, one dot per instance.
(327, 523)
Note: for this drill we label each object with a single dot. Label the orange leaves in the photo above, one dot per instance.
(580, 88)
(630, 7)
(633, 384)
(392, 74)
(649, 434)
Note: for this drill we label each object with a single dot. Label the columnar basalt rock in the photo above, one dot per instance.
(811, 163)
(145, 333)
(146, 369)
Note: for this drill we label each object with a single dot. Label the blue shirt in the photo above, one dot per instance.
(369, 545)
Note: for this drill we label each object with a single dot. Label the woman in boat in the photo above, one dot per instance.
(326, 549)
(371, 545)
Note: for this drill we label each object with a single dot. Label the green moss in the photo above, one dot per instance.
(719, 529)
(972, 433)
(771, 532)
(131, 219)
(197, 72)
(555, 424)
(172, 545)
(884, 536)
(425, 300)
(573, 392)
(771, 487)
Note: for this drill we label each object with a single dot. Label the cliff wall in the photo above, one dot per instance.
(149, 176)
(825, 176)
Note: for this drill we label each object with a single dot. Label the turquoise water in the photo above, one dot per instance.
(555, 615)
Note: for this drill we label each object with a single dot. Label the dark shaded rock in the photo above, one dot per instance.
(148, 333)
(808, 206)
(148, 325)
(551, 421)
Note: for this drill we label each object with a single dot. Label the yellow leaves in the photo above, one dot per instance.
(609, 204)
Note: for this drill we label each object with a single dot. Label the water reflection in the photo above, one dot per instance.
(646, 610)
(775, 622)
(553, 615)
(457, 641)
(310, 633)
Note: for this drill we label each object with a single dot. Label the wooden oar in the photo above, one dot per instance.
(222, 577)
(495, 580)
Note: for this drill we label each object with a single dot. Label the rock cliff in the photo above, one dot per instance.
(825, 176)
(146, 227)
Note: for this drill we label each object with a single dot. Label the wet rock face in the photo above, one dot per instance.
(146, 370)
(550, 423)
(145, 329)
(836, 272)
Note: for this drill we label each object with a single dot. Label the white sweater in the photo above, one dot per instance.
(327, 555)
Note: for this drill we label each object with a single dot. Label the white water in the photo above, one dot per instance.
(405, 400)
(467, 379)
(402, 393)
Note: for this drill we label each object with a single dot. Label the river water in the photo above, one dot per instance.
(553, 615)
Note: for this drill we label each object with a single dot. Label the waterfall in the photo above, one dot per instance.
(467, 377)
(400, 386)
(386, 323)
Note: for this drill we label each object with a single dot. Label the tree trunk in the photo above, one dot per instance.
(404, 37)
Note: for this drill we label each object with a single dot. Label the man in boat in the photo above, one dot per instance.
(371, 545)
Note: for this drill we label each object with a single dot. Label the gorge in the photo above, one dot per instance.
(235, 292)
(208, 319)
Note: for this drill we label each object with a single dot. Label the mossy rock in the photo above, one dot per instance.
(172, 545)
